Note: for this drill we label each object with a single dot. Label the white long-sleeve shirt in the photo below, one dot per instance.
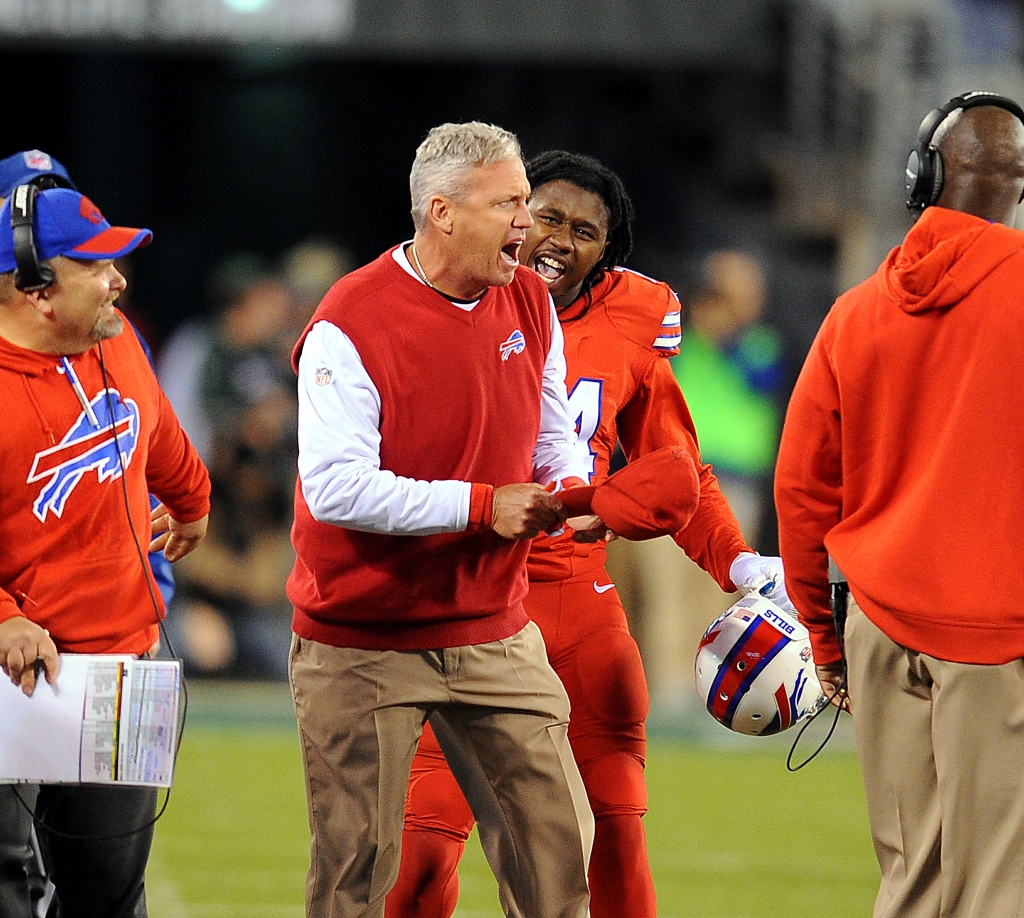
(339, 442)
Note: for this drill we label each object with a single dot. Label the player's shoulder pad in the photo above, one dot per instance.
(644, 310)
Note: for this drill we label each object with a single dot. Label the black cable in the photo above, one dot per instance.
(838, 597)
(160, 625)
(840, 694)
(131, 528)
(41, 824)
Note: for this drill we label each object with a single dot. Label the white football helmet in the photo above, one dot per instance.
(754, 669)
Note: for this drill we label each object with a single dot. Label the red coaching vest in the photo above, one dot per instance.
(460, 400)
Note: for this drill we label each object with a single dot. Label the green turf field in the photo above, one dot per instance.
(732, 834)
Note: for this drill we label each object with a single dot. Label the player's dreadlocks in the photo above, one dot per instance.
(591, 175)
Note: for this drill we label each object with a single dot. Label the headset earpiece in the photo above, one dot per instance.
(925, 170)
(938, 174)
(916, 168)
(29, 275)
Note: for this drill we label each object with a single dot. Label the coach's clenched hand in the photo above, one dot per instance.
(522, 511)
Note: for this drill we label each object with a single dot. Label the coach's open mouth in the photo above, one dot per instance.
(510, 253)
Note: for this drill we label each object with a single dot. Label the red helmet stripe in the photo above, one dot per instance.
(750, 654)
(785, 712)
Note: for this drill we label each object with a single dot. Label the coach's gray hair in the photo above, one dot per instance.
(447, 153)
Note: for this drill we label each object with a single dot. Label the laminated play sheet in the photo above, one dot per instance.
(107, 720)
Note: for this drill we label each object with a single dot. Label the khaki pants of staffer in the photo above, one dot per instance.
(501, 717)
(941, 747)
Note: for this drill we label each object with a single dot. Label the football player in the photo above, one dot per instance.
(619, 327)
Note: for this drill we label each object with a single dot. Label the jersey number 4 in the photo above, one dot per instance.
(585, 410)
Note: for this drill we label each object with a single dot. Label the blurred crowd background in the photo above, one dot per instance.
(267, 144)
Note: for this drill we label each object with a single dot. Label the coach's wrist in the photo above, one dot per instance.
(481, 506)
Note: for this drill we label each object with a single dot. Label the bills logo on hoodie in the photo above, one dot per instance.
(86, 449)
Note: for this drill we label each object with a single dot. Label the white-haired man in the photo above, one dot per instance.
(432, 416)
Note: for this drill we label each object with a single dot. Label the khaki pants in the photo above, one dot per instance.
(941, 747)
(500, 715)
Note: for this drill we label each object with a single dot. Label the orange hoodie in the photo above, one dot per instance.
(902, 453)
(68, 557)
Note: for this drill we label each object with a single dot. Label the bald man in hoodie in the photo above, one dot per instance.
(902, 460)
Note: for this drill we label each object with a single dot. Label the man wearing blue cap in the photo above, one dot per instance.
(22, 886)
(34, 167)
(22, 895)
(88, 435)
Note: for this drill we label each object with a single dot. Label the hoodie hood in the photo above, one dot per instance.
(945, 255)
(29, 363)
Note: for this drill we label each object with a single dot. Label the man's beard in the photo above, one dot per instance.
(107, 328)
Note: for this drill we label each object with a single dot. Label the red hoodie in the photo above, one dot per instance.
(68, 558)
(902, 454)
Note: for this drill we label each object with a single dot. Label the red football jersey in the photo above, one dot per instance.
(622, 390)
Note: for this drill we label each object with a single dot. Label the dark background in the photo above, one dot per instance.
(256, 147)
(779, 126)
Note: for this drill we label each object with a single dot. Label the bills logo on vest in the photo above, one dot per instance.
(514, 344)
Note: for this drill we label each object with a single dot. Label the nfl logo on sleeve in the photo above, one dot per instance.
(323, 376)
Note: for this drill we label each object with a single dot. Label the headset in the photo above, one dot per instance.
(924, 165)
(29, 274)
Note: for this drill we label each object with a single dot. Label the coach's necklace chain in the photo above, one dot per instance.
(419, 269)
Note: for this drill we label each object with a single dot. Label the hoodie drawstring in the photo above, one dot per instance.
(47, 429)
